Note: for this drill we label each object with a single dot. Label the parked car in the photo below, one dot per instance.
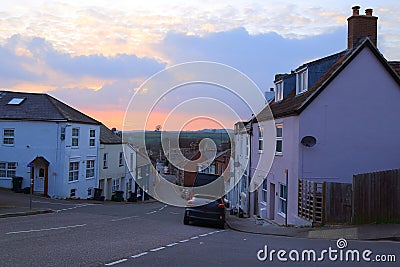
(200, 209)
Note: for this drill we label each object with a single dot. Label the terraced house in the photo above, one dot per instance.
(334, 117)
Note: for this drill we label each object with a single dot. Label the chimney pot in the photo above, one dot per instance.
(356, 10)
(368, 12)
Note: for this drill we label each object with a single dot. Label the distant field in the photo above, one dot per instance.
(153, 138)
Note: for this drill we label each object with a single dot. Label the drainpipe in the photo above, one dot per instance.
(287, 196)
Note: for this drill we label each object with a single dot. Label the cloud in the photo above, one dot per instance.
(34, 60)
(258, 56)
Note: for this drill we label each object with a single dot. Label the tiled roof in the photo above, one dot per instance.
(395, 66)
(294, 104)
(109, 137)
(39, 107)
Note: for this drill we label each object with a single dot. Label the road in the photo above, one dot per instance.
(144, 234)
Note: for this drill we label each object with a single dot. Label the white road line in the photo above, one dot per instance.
(139, 255)
(156, 249)
(172, 244)
(76, 206)
(183, 241)
(46, 229)
(204, 235)
(151, 212)
(115, 262)
(195, 237)
(125, 218)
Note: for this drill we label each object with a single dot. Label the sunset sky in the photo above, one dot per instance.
(93, 55)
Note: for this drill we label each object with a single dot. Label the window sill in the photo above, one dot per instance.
(72, 182)
(260, 151)
(89, 178)
(5, 178)
(278, 154)
(283, 215)
(10, 145)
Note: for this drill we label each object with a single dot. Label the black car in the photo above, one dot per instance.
(205, 211)
(206, 207)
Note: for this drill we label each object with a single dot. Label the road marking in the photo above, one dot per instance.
(125, 218)
(115, 262)
(172, 244)
(76, 206)
(156, 249)
(183, 241)
(204, 235)
(195, 237)
(46, 229)
(151, 212)
(139, 255)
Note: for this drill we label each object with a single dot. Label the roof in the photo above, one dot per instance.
(109, 137)
(39, 107)
(294, 104)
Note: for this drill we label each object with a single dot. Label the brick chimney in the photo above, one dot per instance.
(360, 26)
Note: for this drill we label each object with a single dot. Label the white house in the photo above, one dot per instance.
(49, 142)
(239, 181)
(118, 164)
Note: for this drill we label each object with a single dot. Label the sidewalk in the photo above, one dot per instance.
(18, 204)
(349, 232)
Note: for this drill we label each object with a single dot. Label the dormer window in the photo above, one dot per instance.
(301, 81)
(279, 91)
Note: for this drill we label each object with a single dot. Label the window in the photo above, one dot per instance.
(282, 199)
(8, 137)
(260, 139)
(121, 159)
(89, 169)
(92, 137)
(105, 161)
(279, 91)
(8, 169)
(75, 137)
(115, 186)
(302, 81)
(279, 139)
(73, 174)
(264, 190)
(16, 101)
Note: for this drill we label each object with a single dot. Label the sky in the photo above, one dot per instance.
(95, 55)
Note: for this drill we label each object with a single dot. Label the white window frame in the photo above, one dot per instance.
(8, 169)
(9, 137)
(121, 159)
(75, 137)
(105, 161)
(260, 139)
(92, 138)
(264, 191)
(278, 91)
(279, 139)
(282, 207)
(73, 171)
(90, 168)
(302, 81)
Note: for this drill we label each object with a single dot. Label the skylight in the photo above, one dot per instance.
(16, 101)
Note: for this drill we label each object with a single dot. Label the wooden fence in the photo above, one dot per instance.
(372, 198)
(376, 197)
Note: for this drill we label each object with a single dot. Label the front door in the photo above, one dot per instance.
(39, 176)
(272, 201)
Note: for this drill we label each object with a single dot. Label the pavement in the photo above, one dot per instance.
(350, 232)
(18, 204)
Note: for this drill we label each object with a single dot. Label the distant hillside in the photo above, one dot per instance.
(153, 138)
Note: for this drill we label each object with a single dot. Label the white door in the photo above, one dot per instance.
(39, 180)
